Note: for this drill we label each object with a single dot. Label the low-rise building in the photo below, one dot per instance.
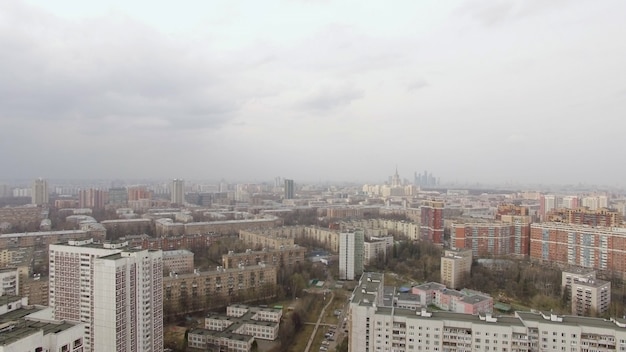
(237, 329)
(288, 256)
(211, 289)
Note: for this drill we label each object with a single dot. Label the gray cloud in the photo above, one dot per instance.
(110, 67)
(417, 85)
(328, 98)
(492, 12)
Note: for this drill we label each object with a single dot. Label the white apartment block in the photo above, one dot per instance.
(117, 293)
(376, 247)
(9, 282)
(374, 326)
(237, 330)
(351, 254)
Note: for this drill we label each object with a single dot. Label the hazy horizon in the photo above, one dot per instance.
(495, 92)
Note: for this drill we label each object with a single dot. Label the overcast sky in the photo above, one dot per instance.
(486, 90)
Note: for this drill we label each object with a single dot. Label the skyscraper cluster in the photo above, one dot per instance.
(426, 180)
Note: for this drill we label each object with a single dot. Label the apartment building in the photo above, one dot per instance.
(288, 256)
(45, 238)
(599, 248)
(590, 297)
(455, 266)
(508, 236)
(192, 242)
(351, 261)
(376, 247)
(432, 221)
(39, 192)
(9, 282)
(168, 228)
(265, 239)
(179, 261)
(585, 216)
(116, 292)
(374, 326)
(568, 276)
(208, 289)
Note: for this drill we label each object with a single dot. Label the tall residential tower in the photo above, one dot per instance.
(116, 292)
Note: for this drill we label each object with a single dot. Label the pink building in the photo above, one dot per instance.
(464, 301)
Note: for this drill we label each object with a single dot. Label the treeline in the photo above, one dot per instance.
(420, 261)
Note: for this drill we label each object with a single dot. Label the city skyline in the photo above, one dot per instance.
(474, 91)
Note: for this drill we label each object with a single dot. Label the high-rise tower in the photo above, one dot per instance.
(40, 192)
(116, 292)
(351, 254)
(289, 192)
(177, 191)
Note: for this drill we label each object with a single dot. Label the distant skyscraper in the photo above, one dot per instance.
(39, 193)
(425, 180)
(116, 292)
(92, 198)
(570, 202)
(177, 191)
(289, 189)
(351, 254)
(431, 228)
(547, 202)
(118, 196)
(138, 192)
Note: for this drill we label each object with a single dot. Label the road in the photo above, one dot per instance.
(319, 320)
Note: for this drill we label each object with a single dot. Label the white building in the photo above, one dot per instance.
(351, 254)
(177, 191)
(9, 282)
(376, 247)
(116, 292)
(376, 327)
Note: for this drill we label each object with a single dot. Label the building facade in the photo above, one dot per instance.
(39, 192)
(215, 288)
(288, 256)
(432, 221)
(118, 292)
(179, 261)
(599, 248)
(177, 192)
(510, 236)
(456, 265)
(351, 254)
(289, 189)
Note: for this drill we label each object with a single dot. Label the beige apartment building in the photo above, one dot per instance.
(455, 265)
(288, 256)
(208, 289)
(179, 261)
